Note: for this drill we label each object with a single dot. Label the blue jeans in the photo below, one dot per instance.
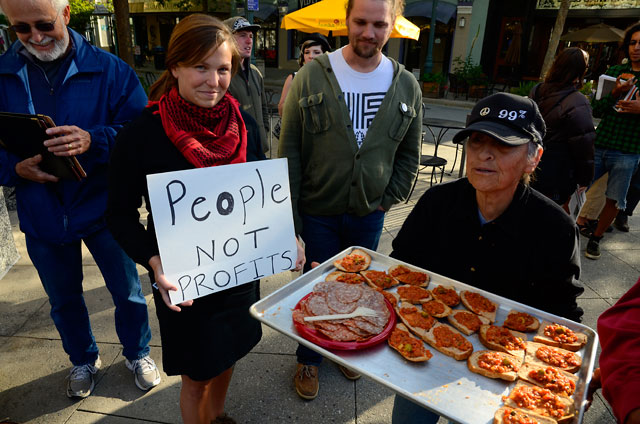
(325, 236)
(407, 412)
(60, 270)
(621, 167)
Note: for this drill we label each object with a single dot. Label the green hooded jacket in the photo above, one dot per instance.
(328, 174)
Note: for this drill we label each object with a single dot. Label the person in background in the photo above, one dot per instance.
(247, 85)
(617, 143)
(90, 94)
(491, 230)
(567, 162)
(633, 197)
(587, 220)
(312, 45)
(191, 122)
(351, 131)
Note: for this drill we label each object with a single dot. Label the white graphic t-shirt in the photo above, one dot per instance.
(363, 92)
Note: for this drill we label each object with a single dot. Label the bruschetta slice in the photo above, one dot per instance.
(409, 276)
(541, 354)
(557, 381)
(449, 341)
(556, 335)
(508, 415)
(418, 321)
(540, 401)
(406, 344)
(466, 321)
(503, 340)
(345, 277)
(492, 364)
(413, 294)
(446, 294)
(478, 304)
(521, 321)
(436, 308)
(379, 279)
(357, 260)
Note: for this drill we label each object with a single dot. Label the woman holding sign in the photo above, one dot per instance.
(191, 122)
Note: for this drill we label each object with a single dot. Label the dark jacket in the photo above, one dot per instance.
(143, 148)
(328, 173)
(529, 254)
(567, 160)
(247, 86)
(100, 93)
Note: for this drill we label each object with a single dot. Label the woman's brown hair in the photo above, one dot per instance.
(569, 65)
(191, 41)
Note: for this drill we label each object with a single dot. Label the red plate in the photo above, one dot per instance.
(321, 340)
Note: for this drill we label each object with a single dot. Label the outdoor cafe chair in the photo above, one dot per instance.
(434, 162)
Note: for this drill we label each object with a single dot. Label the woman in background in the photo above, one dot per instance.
(567, 162)
(191, 122)
(313, 45)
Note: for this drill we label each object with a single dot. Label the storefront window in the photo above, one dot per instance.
(267, 43)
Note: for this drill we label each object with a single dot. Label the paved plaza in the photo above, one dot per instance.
(33, 365)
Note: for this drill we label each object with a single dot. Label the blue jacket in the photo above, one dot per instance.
(100, 93)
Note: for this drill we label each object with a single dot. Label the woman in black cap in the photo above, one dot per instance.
(490, 230)
(313, 45)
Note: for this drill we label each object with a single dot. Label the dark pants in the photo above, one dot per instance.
(326, 236)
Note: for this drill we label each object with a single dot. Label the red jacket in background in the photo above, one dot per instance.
(619, 331)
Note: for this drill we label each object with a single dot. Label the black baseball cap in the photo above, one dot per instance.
(239, 23)
(511, 119)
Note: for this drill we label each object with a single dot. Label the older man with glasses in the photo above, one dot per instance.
(90, 94)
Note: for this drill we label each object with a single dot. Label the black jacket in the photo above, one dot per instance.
(568, 143)
(143, 148)
(529, 254)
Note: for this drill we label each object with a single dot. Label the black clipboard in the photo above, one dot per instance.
(24, 135)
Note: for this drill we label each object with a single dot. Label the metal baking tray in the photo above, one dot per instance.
(442, 385)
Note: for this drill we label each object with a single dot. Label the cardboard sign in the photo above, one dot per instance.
(223, 226)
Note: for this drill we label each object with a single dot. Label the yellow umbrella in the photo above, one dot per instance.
(330, 15)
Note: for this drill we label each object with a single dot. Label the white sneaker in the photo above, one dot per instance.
(145, 371)
(80, 381)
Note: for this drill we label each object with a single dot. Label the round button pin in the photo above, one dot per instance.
(404, 107)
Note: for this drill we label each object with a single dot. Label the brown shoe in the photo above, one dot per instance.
(350, 374)
(306, 381)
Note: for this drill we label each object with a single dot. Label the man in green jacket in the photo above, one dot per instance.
(351, 130)
(247, 85)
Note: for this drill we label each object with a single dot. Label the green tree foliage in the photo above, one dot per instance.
(81, 11)
(185, 5)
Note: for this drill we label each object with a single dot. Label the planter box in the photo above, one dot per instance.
(431, 89)
(477, 91)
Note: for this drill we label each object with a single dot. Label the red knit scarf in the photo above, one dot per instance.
(205, 136)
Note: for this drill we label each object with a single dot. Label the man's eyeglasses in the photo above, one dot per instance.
(40, 26)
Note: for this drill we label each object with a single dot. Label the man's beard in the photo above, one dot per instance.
(365, 52)
(59, 48)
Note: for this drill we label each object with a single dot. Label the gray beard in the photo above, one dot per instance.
(59, 48)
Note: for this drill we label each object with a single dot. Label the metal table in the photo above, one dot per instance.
(438, 128)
